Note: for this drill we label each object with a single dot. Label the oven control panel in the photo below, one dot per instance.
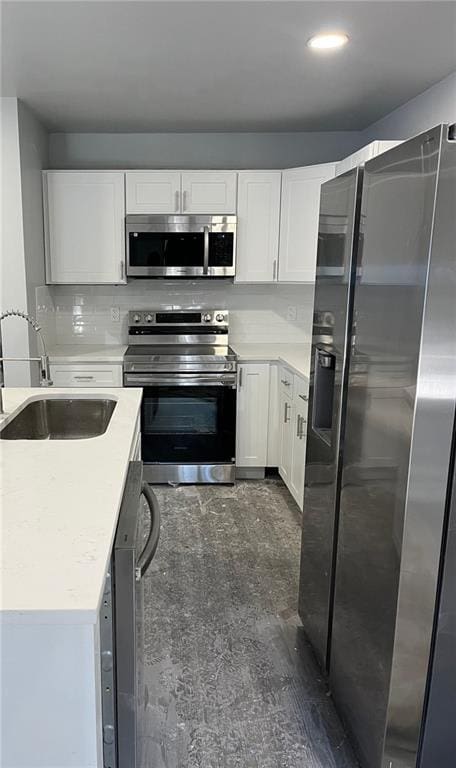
(147, 317)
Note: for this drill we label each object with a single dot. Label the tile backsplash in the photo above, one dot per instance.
(98, 314)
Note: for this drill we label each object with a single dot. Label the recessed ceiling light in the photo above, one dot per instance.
(326, 42)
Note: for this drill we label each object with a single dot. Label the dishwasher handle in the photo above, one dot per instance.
(147, 554)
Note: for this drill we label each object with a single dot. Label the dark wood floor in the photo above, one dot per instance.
(229, 679)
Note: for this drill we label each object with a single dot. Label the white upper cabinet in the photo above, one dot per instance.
(209, 192)
(363, 155)
(258, 226)
(153, 191)
(84, 226)
(252, 415)
(299, 221)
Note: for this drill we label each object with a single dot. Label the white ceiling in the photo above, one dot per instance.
(222, 66)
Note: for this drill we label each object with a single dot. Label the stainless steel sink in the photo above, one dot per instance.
(60, 419)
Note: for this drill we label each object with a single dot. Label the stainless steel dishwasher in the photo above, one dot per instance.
(121, 622)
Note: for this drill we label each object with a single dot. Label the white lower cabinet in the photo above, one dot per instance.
(273, 417)
(84, 375)
(285, 441)
(252, 415)
(293, 432)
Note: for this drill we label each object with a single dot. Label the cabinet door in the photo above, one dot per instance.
(286, 437)
(252, 415)
(357, 158)
(209, 192)
(258, 226)
(299, 438)
(273, 418)
(363, 155)
(84, 227)
(153, 191)
(298, 458)
(299, 221)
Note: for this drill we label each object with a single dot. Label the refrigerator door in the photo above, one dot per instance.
(439, 733)
(399, 417)
(336, 257)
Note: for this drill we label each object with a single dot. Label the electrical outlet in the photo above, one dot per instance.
(115, 314)
(292, 313)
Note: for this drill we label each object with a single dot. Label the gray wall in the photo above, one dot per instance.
(33, 148)
(24, 154)
(248, 150)
(198, 150)
(436, 105)
(13, 289)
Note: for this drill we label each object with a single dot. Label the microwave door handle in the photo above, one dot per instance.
(206, 251)
(147, 554)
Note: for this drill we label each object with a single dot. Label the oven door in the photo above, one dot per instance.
(180, 246)
(188, 419)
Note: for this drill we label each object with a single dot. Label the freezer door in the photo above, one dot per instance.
(337, 241)
(399, 419)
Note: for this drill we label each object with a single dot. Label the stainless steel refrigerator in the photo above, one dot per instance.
(377, 563)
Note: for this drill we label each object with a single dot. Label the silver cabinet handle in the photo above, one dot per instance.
(184, 200)
(274, 269)
(146, 556)
(301, 427)
(298, 426)
(177, 196)
(84, 378)
(285, 415)
(121, 267)
(240, 377)
(304, 397)
(285, 382)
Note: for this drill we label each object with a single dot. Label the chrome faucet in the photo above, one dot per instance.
(43, 359)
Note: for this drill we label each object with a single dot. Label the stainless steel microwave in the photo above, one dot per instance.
(181, 246)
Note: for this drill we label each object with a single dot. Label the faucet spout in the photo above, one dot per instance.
(43, 359)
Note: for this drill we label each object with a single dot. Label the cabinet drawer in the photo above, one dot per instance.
(301, 392)
(78, 376)
(286, 381)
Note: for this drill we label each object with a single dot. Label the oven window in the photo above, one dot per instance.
(167, 249)
(188, 424)
(221, 249)
(180, 415)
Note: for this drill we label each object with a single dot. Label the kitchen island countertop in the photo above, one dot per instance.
(60, 501)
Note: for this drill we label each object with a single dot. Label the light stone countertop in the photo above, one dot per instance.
(59, 504)
(87, 353)
(295, 356)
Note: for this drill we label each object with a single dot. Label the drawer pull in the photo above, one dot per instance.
(84, 378)
(285, 415)
(304, 397)
(284, 381)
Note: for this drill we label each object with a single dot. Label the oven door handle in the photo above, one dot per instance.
(180, 380)
(150, 547)
(206, 251)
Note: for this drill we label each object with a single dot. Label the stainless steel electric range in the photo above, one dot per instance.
(188, 373)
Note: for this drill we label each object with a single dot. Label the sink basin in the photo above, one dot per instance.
(60, 419)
